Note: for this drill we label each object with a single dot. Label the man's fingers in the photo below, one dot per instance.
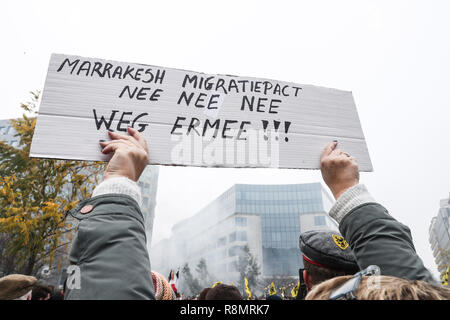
(353, 159)
(135, 138)
(336, 153)
(118, 136)
(328, 149)
(125, 142)
(139, 137)
(112, 146)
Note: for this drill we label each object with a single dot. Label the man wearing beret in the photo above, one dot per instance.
(325, 255)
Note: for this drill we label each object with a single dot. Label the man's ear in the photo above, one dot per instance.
(308, 280)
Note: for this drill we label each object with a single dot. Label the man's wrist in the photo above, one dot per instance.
(120, 185)
(350, 199)
(340, 189)
(107, 176)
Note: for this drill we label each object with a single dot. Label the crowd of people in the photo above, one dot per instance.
(373, 257)
(23, 287)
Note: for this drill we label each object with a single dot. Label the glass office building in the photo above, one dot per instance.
(439, 232)
(267, 218)
(285, 211)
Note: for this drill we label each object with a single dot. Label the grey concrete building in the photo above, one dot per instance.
(439, 236)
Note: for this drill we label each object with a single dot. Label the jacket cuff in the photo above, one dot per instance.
(349, 200)
(121, 185)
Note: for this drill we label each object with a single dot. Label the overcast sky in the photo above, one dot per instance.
(393, 56)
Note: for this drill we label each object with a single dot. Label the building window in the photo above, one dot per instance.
(222, 254)
(232, 237)
(241, 222)
(232, 266)
(222, 241)
(319, 220)
(222, 268)
(234, 251)
(242, 236)
(276, 236)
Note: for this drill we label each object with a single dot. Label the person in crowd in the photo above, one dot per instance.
(374, 236)
(223, 292)
(16, 287)
(325, 255)
(202, 295)
(41, 291)
(109, 247)
(380, 288)
(57, 295)
(163, 290)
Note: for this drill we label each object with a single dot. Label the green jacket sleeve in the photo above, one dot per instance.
(109, 251)
(377, 238)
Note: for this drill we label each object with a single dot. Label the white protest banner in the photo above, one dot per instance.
(191, 118)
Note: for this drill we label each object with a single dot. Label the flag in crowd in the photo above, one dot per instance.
(445, 277)
(247, 289)
(294, 291)
(173, 280)
(272, 289)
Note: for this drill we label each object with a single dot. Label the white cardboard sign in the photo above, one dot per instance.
(191, 118)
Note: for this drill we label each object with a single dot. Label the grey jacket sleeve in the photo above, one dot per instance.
(109, 250)
(376, 237)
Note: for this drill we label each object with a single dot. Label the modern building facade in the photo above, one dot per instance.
(148, 182)
(440, 236)
(267, 218)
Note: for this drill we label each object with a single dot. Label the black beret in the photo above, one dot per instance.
(328, 249)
